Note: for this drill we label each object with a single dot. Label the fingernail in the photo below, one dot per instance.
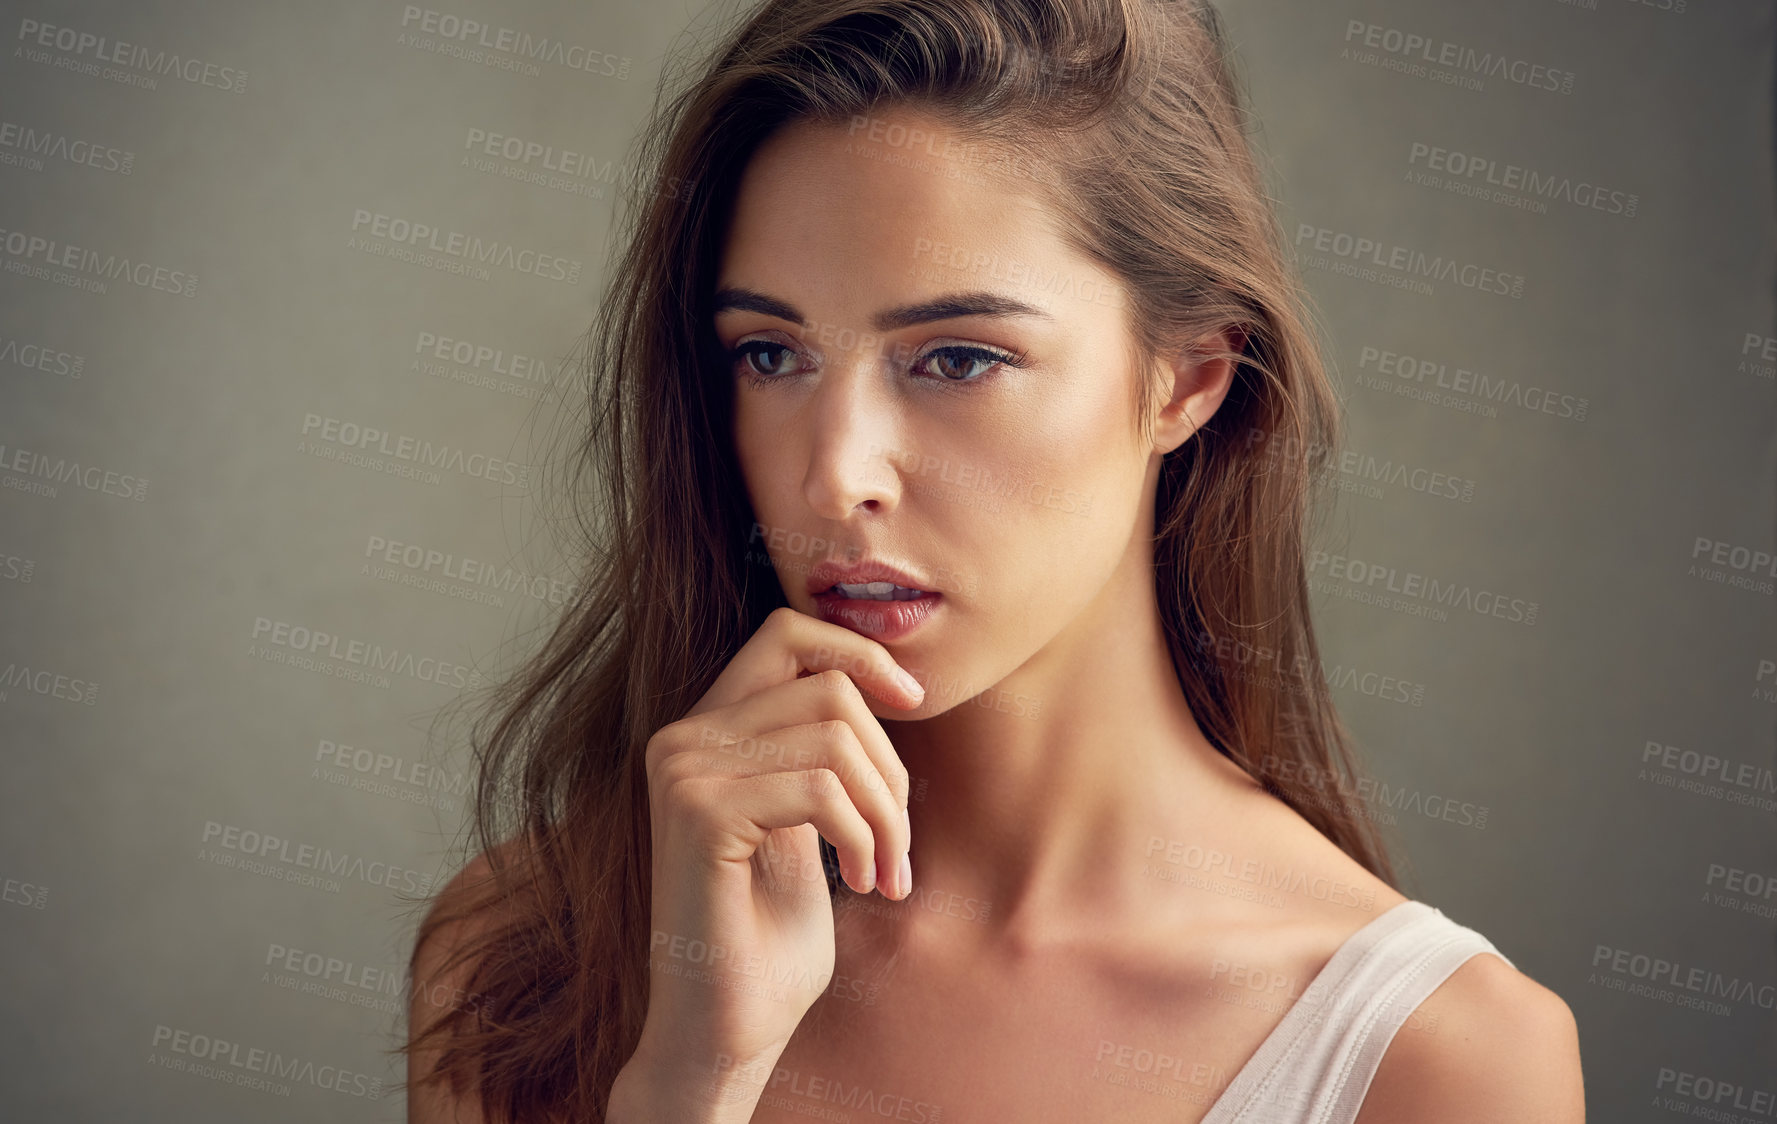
(905, 882)
(909, 682)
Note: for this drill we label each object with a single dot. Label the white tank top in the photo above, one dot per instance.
(1316, 1066)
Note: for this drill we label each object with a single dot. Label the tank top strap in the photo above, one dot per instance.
(1316, 1065)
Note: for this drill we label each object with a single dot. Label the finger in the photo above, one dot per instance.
(827, 696)
(761, 804)
(831, 744)
(823, 696)
(790, 644)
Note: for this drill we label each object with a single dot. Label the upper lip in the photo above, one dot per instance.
(825, 575)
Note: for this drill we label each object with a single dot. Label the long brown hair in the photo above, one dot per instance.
(1129, 116)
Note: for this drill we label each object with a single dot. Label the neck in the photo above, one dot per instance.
(1036, 802)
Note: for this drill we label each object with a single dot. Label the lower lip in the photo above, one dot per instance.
(879, 620)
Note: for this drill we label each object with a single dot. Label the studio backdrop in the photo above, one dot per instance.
(288, 299)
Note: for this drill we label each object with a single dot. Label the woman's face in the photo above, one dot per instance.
(926, 375)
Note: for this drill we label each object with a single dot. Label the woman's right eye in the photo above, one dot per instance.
(765, 358)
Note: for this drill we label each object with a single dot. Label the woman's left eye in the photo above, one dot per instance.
(955, 362)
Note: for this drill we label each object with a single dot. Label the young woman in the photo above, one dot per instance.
(956, 415)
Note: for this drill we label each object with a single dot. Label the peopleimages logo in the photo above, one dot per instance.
(467, 248)
(310, 643)
(1716, 1096)
(320, 973)
(1353, 470)
(406, 455)
(77, 267)
(539, 156)
(1412, 266)
(481, 357)
(289, 853)
(1456, 63)
(79, 45)
(234, 1063)
(1763, 349)
(41, 681)
(39, 357)
(25, 145)
(462, 32)
(420, 567)
(1513, 184)
(384, 774)
(1440, 383)
(1705, 986)
(1751, 565)
(1416, 591)
(482, 366)
(38, 473)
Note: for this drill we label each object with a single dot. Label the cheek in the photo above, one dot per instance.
(759, 459)
(771, 466)
(1074, 462)
(745, 430)
(1065, 517)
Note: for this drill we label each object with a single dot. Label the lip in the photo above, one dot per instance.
(824, 575)
(882, 621)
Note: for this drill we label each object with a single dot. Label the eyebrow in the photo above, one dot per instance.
(946, 307)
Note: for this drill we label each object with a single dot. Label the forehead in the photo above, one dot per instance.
(896, 203)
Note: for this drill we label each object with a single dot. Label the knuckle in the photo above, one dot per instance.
(847, 737)
(834, 679)
(824, 782)
(708, 799)
(831, 677)
(671, 772)
(684, 792)
(670, 738)
(833, 730)
(653, 755)
(898, 779)
(782, 617)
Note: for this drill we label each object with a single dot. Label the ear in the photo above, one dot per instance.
(1199, 380)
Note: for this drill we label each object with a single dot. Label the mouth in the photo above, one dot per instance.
(882, 611)
(875, 591)
(872, 598)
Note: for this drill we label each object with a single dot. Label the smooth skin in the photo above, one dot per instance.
(1046, 936)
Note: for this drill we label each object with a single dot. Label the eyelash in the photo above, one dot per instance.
(738, 354)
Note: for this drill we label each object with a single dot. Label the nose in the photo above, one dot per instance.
(855, 418)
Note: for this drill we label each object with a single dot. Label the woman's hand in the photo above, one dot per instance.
(780, 752)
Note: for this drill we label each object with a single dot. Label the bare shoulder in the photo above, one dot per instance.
(441, 970)
(456, 910)
(1489, 1045)
(1338, 887)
